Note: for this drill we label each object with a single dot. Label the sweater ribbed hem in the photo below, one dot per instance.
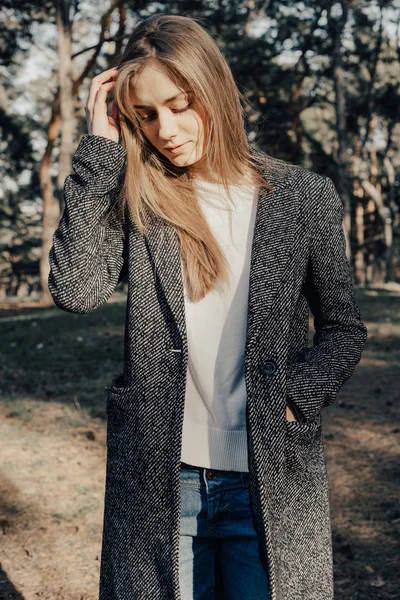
(203, 446)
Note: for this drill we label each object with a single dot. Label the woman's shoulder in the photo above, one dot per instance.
(317, 193)
(282, 172)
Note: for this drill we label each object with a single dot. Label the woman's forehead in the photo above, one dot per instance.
(152, 85)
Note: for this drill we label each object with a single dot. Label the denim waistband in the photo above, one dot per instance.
(215, 478)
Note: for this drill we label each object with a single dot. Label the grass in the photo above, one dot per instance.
(49, 354)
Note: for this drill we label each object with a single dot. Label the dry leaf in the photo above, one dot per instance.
(378, 582)
(369, 569)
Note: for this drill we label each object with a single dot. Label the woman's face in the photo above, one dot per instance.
(168, 118)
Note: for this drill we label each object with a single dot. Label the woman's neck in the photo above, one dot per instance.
(247, 179)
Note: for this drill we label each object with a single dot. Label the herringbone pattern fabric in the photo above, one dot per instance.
(298, 261)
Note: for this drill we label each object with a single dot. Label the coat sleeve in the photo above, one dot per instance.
(318, 373)
(88, 256)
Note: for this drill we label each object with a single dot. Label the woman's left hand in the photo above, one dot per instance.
(290, 416)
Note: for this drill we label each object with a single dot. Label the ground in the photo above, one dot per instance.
(54, 368)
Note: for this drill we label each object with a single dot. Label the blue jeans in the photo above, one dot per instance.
(219, 549)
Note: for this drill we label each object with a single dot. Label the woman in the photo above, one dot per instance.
(216, 473)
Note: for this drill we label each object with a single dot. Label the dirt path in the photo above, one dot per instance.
(52, 458)
(51, 502)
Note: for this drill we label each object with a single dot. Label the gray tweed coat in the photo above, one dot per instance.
(298, 262)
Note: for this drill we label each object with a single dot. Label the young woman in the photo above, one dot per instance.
(216, 474)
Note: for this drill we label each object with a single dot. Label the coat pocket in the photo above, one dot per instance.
(123, 450)
(124, 398)
(300, 437)
(123, 419)
(296, 411)
(304, 427)
(124, 394)
(302, 453)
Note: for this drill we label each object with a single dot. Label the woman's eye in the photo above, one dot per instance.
(149, 118)
(152, 116)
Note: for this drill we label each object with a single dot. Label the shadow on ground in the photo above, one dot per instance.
(7, 590)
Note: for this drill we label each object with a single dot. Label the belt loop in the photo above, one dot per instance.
(204, 471)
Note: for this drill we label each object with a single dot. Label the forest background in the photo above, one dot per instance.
(322, 81)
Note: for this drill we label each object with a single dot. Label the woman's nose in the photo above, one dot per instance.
(167, 126)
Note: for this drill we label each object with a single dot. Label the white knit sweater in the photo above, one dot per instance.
(214, 427)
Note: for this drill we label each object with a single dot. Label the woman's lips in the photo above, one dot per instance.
(176, 149)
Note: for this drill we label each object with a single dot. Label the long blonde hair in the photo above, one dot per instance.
(154, 186)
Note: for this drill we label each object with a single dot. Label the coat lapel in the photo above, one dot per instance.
(273, 241)
(163, 244)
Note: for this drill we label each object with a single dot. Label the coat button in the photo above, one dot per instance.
(269, 367)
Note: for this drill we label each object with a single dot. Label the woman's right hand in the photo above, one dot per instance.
(98, 121)
(290, 416)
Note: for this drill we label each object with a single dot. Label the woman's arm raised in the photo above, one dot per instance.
(87, 256)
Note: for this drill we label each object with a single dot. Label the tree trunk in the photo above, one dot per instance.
(64, 30)
(359, 264)
(343, 146)
(63, 118)
(51, 206)
(391, 204)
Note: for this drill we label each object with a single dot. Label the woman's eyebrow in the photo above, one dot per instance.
(165, 101)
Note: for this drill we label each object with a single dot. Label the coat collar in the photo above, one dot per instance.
(273, 241)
